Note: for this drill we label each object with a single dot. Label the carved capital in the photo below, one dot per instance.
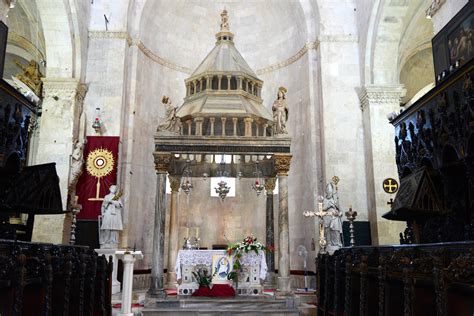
(389, 94)
(162, 162)
(63, 89)
(174, 183)
(282, 164)
(270, 185)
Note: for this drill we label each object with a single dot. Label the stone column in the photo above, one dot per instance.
(128, 258)
(219, 80)
(59, 127)
(190, 128)
(228, 81)
(208, 83)
(282, 167)
(188, 89)
(235, 120)
(223, 119)
(212, 120)
(376, 102)
(173, 244)
(248, 126)
(265, 130)
(198, 121)
(270, 235)
(239, 82)
(162, 161)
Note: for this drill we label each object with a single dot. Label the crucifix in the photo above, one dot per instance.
(320, 214)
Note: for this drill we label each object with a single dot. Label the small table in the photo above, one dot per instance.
(254, 269)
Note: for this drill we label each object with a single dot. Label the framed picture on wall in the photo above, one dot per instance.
(453, 46)
(221, 267)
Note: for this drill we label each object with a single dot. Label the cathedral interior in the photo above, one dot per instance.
(316, 157)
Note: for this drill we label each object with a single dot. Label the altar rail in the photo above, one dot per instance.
(429, 279)
(46, 279)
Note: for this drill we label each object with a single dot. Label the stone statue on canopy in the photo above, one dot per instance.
(280, 112)
(172, 122)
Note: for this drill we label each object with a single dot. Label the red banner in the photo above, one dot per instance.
(100, 172)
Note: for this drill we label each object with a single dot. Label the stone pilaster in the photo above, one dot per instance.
(282, 167)
(162, 161)
(173, 230)
(59, 127)
(376, 103)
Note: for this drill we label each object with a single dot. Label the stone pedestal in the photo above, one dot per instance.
(128, 258)
(108, 253)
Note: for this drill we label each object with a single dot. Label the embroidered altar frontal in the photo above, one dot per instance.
(254, 268)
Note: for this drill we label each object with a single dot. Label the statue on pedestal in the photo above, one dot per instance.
(280, 112)
(111, 219)
(332, 220)
(172, 123)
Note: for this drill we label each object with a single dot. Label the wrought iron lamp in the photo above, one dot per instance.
(222, 188)
(258, 185)
(186, 184)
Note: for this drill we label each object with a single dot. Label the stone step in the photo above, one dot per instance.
(221, 306)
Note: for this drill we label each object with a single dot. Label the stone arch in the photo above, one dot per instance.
(393, 25)
(64, 45)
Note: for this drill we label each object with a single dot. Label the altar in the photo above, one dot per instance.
(254, 269)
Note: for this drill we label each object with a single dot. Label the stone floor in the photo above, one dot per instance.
(267, 304)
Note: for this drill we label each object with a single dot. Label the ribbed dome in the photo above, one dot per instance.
(224, 57)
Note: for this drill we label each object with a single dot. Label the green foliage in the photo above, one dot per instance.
(202, 278)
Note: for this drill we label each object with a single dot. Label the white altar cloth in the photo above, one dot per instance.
(195, 257)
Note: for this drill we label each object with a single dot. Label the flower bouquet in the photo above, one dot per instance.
(248, 244)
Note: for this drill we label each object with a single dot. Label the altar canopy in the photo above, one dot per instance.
(222, 115)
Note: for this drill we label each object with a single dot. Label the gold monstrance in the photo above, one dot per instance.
(100, 163)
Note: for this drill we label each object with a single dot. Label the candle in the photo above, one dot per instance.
(320, 206)
(187, 232)
(197, 232)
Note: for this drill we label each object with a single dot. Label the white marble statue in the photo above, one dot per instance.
(172, 123)
(111, 219)
(332, 221)
(280, 112)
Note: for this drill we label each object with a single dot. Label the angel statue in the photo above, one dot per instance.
(111, 222)
(172, 123)
(280, 112)
(332, 220)
(31, 76)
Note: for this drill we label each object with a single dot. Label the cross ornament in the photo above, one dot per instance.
(320, 215)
